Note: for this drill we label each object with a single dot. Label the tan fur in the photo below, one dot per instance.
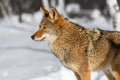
(80, 49)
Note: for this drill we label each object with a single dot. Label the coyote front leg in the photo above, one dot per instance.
(77, 76)
(109, 74)
(84, 74)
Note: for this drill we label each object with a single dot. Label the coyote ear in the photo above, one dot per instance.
(44, 11)
(54, 13)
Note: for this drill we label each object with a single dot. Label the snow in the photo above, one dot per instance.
(95, 14)
(24, 59)
(74, 9)
(61, 74)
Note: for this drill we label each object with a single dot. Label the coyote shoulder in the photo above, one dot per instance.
(79, 49)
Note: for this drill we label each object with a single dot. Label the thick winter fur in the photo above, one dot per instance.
(80, 49)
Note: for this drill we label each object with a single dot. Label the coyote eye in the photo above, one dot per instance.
(44, 27)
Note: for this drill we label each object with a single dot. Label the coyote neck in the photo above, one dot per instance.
(70, 42)
(67, 25)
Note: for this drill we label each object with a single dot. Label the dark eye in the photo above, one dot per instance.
(44, 27)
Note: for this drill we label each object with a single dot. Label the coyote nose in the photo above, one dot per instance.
(33, 37)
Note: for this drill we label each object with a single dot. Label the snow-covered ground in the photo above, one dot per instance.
(24, 59)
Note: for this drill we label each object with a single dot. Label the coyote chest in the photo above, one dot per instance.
(67, 51)
(62, 51)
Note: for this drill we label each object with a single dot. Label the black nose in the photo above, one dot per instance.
(33, 37)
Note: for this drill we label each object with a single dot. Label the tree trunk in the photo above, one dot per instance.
(53, 2)
(4, 13)
(115, 13)
(111, 5)
(46, 4)
(8, 7)
(61, 6)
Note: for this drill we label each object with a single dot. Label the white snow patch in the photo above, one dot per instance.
(5, 74)
(73, 8)
(95, 14)
(62, 74)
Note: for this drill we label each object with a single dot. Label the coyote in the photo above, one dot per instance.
(79, 49)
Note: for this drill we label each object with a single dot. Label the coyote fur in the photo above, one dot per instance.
(79, 49)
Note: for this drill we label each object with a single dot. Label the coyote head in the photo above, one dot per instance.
(48, 30)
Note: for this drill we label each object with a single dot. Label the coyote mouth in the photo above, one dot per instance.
(42, 39)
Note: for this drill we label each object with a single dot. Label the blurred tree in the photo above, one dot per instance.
(46, 4)
(31, 6)
(6, 8)
(3, 11)
(114, 10)
(25, 6)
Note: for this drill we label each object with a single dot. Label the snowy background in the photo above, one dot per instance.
(21, 58)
